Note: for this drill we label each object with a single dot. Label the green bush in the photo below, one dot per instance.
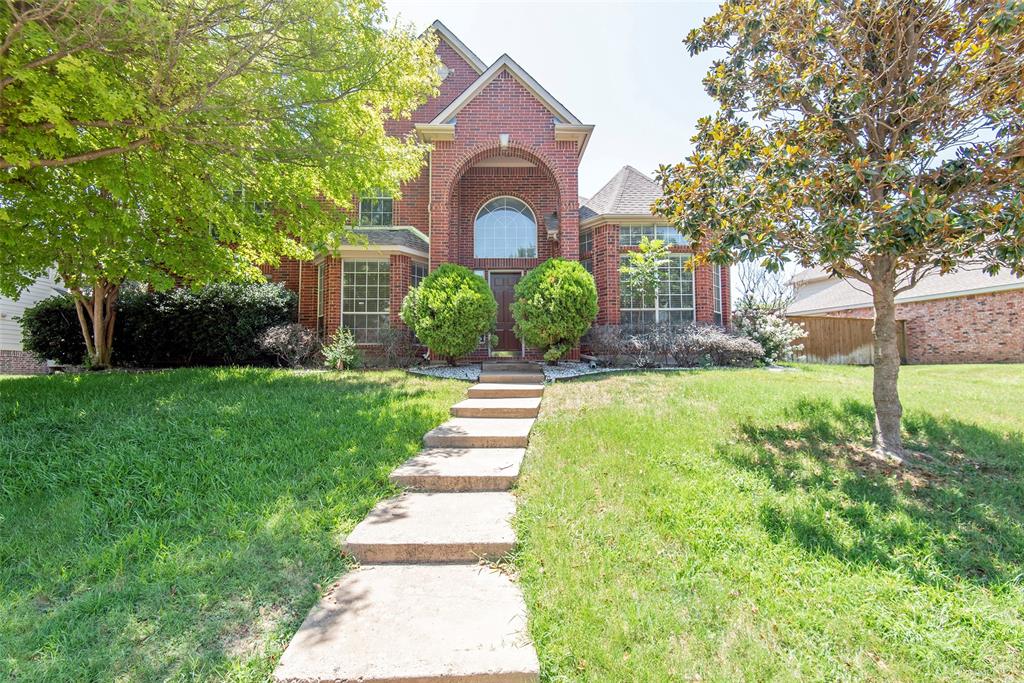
(555, 304)
(341, 351)
(50, 330)
(450, 311)
(214, 325)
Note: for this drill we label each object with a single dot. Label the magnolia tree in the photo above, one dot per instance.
(881, 140)
(182, 143)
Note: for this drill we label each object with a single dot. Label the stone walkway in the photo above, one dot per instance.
(422, 607)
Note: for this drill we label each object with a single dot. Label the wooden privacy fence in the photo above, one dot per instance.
(841, 341)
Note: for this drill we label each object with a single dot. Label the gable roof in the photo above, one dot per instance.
(816, 294)
(506, 63)
(459, 47)
(629, 193)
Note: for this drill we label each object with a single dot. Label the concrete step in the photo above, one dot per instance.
(435, 527)
(509, 377)
(480, 432)
(509, 366)
(414, 623)
(497, 407)
(461, 469)
(499, 390)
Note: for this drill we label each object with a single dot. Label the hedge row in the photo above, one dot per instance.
(214, 325)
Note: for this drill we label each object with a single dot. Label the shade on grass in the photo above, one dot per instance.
(727, 525)
(180, 524)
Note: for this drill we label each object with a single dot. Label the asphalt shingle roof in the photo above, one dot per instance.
(817, 293)
(399, 237)
(629, 193)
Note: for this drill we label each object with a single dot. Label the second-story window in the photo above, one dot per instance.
(376, 208)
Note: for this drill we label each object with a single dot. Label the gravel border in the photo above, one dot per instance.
(552, 373)
(466, 373)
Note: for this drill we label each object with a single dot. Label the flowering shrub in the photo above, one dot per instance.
(770, 329)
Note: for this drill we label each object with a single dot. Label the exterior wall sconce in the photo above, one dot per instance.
(551, 221)
(503, 140)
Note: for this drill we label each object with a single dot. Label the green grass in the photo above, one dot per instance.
(729, 525)
(179, 525)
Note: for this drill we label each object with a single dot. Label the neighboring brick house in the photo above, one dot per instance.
(13, 359)
(498, 195)
(962, 317)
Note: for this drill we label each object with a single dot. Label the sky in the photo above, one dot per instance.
(621, 66)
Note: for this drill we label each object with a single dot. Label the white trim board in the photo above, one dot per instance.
(506, 63)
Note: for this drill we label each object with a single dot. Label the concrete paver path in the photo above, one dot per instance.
(421, 607)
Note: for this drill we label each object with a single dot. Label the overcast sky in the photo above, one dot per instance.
(621, 66)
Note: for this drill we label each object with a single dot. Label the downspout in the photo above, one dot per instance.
(298, 306)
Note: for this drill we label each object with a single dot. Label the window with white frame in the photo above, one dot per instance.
(673, 303)
(586, 242)
(321, 318)
(505, 227)
(630, 235)
(376, 208)
(417, 273)
(716, 287)
(365, 298)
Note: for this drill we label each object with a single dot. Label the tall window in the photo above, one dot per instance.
(321, 318)
(365, 298)
(375, 208)
(505, 228)
(417, 273)
(716, 287)
(630, 235)
(673, 303)
(586, 242)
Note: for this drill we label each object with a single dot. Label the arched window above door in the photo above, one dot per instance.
(505, 227)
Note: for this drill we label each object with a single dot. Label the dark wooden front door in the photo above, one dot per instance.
(503, 285)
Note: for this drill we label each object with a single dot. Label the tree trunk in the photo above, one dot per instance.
(887, 440)
(96, 315)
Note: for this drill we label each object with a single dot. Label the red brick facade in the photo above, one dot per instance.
(980, 328)
(15, 362)
(506, 137)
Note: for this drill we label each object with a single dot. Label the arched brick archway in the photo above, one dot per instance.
(547, 186)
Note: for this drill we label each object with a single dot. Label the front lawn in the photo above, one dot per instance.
(179, 525)
(726, 525)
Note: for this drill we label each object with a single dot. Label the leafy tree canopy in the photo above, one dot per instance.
(188, 141)
(879, 139)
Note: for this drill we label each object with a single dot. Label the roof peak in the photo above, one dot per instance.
(453, 40)
(629, 192)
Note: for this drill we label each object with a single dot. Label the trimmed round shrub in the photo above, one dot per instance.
(555, 304)
(50, 330)
(450, 311)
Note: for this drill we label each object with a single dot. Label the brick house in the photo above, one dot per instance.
(962, 317)
(498, 195)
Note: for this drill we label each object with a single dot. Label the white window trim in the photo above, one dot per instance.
(655, 227)
(657, 308)
(378, 194)
(536, 227)
(387, 313)
(716, 295)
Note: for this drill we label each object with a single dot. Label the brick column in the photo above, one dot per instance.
(703, 295)
(306, 282)
(569, 229)
(441, 237)
(332, 295)
(605, 259)
(401, 277)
